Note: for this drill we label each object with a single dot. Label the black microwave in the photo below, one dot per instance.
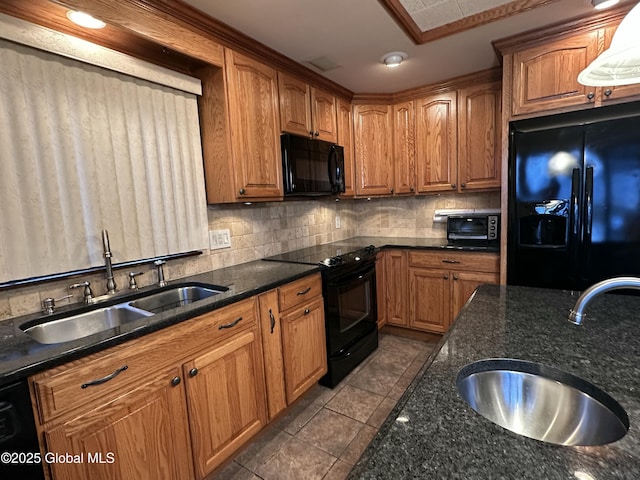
(311, 167)
(474, 229)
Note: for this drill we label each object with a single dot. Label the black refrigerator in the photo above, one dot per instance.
(574, 198)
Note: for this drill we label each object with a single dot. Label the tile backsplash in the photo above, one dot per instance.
(265, 229)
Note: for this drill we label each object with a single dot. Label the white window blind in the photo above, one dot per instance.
(82, 149)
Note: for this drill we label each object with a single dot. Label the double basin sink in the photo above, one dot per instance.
(66, 328)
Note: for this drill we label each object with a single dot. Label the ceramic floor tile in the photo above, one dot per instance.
(355, 449)
(401, 345)
(355, 403)
(375, 378)
(339, 471)
(263, 447)
(298, 415)
(394, 363)
(381, 413)
(297, 460)
(330, 431)
(232, 471)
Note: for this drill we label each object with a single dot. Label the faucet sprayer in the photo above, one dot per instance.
(576, 315)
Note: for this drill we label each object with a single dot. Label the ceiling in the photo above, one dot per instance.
(355, 34)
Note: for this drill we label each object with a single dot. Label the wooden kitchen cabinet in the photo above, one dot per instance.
(381, 288)
(441, 283)
(306, 110)
(255, 128)
(404, 150)
(293, 339)
(345, 138)
(373, 161)
(436, 143)
(142, 434)
(479, 137)
(396, 283)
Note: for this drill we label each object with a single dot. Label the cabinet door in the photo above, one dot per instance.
(545, 77)
(622, 91)
(430, 300)
(295, 105)
(404, 150)
(143, 435)
(323, 111)
(381, 288)
(372, 131)
(272, 349)
(396, 280)
(225, 399)
(345, 138)
(479, 141)
(436, 143)
(464, 284)
(255, 132)
(304, 348)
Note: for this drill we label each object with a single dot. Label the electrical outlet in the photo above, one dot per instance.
(219, 239)
(337, 221)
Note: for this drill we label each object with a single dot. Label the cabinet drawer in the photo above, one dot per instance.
(299, 292)
(99, 378)
(472, 261)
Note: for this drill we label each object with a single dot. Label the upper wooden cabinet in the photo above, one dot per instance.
(545, 75)
(404, 149)
(479, 146)
(345, 138)
(373, 134)
(436, 143)
(306, 110)
(255, 133)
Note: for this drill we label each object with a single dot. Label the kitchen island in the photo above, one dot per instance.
(433, 434)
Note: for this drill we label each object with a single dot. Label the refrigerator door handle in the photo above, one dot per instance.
(575, 194)
(589, 202)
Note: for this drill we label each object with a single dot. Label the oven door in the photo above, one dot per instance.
(350, 305)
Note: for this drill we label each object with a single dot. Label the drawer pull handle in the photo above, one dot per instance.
(273, 320)
(230, 325)
(102, 380)
(307, 311)
(304, 292)
(450, 261)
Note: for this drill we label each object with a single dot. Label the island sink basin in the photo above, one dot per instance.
(84, 324)
(542, 402)
(175, 297)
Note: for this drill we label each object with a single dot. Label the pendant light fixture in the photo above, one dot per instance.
(602, 4)
(620, 63)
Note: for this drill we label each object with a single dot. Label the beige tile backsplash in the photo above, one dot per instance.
(265, 229)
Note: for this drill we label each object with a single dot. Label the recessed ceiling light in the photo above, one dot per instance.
(85, 20)
(393, 59)
(602, 4)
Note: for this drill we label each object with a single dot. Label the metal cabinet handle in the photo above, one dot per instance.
(230, 325)
(304, 292)
(175, 381)
(193, 372)
(273, 320)
(317, 134)
(307, 311)
(590, 95)
(450, 261)
(453, 185)
(463, 185)
(411, 189)
(446, 277)
(391, 190)
(607, 92)
(455, 277)
(242, 191)
(102, 380)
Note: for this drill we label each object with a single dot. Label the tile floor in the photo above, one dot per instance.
(324, 433)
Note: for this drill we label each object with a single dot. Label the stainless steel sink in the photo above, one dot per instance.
(542, 402)
(175, 297)
(84, 324)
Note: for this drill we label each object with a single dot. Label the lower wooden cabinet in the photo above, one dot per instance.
(141, 435)
(426, 289)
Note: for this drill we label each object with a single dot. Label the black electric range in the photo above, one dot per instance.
(350, 305)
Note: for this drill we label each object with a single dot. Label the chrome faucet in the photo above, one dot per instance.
(86, 293)
(576, 315)
(111, 283)
(161, 281)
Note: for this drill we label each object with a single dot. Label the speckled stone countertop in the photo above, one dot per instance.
(445, 439)
(422, 243)
(21, 356)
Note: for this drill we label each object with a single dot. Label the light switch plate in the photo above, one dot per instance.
(219, 239)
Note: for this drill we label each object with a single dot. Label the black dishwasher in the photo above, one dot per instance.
(19, 450)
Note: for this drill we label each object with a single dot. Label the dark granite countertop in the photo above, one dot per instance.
(442, 437)
(21, 356)
(422, 244)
